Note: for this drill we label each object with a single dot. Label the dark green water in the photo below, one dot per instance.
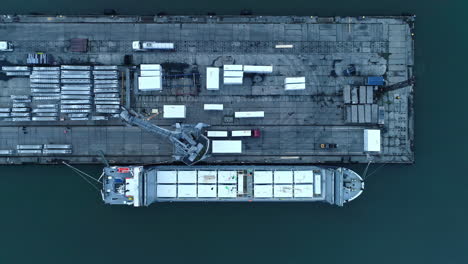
(408, 214)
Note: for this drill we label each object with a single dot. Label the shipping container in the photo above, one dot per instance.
(217, 133)
(249, 114)
(258, 69)
(213, 107)
(233, 80)
(241, 133)
(233, 68)
(289, 80)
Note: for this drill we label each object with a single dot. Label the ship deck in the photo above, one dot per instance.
(295, 122)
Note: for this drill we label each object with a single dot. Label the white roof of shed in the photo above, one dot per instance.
(372, 140)
(149, 83)
(226, 146)
(212, 78)
(174, 111)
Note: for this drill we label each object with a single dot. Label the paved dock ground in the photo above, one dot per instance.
(330, 110)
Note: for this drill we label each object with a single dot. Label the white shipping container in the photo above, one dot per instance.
(151, 67)
(216, 107)
(233, 74)
(241, 133)
(227, 146)
(150, 73)
(174, 111)
(284, 46)
(249, 114)
(294, 86)
(258, 69)
(217, 133)
(212, 78)
(233, 80)
(232, 67)
(294, 80)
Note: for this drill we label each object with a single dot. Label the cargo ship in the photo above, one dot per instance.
(144, 185)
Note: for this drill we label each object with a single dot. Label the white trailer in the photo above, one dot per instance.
(249, 114)
(213, 107)
(217, 133)
(241, 133)
(258, 69)
(151, 45)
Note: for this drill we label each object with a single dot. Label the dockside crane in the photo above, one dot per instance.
(190, 145)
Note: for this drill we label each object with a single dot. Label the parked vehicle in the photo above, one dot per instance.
(6, 46)
(151, 45)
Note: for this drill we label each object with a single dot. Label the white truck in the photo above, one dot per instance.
(151, 45)
(6, 46)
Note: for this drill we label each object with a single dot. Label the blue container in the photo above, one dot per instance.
(375, 80)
